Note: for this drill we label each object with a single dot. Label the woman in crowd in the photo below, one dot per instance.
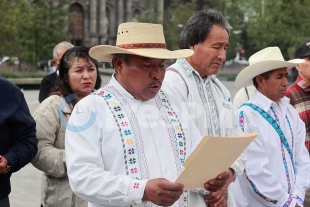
(78, 77)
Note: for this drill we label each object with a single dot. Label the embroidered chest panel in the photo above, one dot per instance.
(136, 165)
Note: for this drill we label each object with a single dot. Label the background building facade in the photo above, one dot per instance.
(94, 22)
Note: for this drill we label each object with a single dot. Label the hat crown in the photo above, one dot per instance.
(135, 32)
(303, 49)
(269, 53)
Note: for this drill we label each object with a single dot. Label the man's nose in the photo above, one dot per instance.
(156, 72)
(222, 54)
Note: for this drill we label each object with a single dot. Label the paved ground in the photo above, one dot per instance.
(26, 183)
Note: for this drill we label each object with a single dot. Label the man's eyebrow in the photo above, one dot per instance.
(147, 58)
(282, 74)
(221, 43)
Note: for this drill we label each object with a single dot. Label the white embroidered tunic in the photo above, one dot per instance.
(270, 179)
(208, 102)
(115, 144)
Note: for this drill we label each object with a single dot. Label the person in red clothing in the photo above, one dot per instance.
(299, 94)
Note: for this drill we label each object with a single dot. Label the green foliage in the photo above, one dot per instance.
(175, 18)
(284, 24)
(32, 28)
(179, 11)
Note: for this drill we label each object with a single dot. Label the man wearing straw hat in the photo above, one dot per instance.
(125, 144)
(193, 80)
(278, 165)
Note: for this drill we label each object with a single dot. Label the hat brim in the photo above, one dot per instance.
(245, 77)
(104, 52)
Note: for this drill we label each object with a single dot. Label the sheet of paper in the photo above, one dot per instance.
(212, 156)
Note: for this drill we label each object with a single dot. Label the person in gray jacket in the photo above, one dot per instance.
(78, 77)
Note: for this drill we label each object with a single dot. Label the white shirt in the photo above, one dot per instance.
(186, 82)
(242, 96)
(125, 143)
(265, 166)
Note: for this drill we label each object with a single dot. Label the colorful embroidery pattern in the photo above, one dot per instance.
(135, 161)
(282, 150)
(275, 123)
(256, 190)
(241, 120)
(301, 201)
(288, 202)
(177, 136)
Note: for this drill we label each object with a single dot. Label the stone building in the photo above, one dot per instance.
(93, 22)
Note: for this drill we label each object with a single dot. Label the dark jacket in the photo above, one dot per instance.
(18, 142)
(47, 83)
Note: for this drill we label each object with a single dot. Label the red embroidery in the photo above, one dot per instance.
(170, 113)
(181, 152)
(134, 170)
(142, 45)
(185, 198)
(124, 123)
(136, 185)
(101, 93)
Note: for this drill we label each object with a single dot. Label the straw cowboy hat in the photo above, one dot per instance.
(263, 61)
(141, 39)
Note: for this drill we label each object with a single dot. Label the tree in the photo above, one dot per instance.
(284, 24)
(9, 15)
(175, 18)
(177, 12)
(32, 28)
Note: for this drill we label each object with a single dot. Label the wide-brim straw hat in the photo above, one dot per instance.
(143, 39)
(263, 61)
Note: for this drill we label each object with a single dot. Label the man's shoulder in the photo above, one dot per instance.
(292, 87)
(220, 85)
(50, 77)
(8, 85)
(248, 107)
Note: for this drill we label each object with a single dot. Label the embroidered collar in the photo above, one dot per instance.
(265, 103)
(189, 70)
(303, 84)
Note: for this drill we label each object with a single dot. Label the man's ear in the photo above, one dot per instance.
(298, 67)
(117, 64)
(259, 79)
(53, 62)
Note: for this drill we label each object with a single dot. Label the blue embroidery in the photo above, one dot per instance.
(274, 124)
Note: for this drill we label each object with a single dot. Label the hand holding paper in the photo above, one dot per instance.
(162, 192)
(212, 156)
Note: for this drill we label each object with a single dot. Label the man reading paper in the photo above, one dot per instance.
(132, 148)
